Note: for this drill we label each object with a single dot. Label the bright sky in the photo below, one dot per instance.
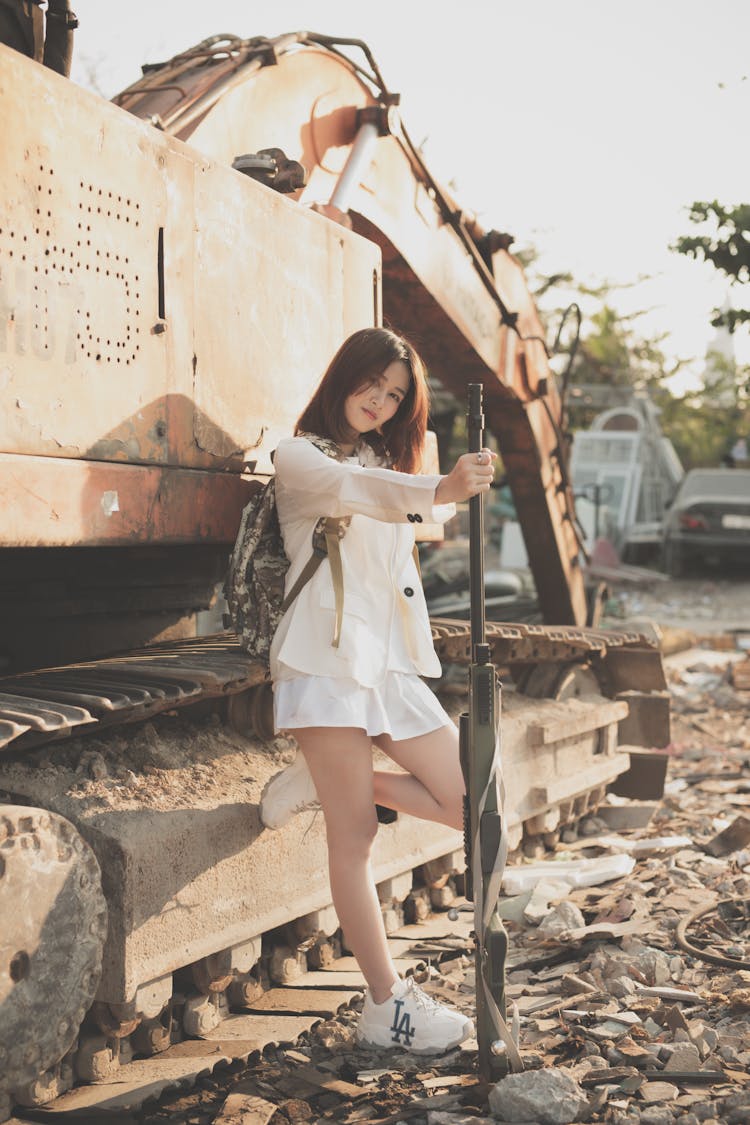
(585, 127)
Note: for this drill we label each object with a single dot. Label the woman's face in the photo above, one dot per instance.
(377, 401)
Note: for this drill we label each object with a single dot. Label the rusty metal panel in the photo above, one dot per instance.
(81, 200)
(306, 105)
(154, 309)
(636, 668)
(648, 720)
(58, 502)
(277, 289)
(644, 779)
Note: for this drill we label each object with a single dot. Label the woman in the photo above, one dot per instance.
(338, 694)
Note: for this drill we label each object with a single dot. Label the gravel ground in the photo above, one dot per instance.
(704, 605)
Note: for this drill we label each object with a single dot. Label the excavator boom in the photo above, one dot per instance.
(452, 288)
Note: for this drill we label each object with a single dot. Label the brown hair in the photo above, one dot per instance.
(362, 358)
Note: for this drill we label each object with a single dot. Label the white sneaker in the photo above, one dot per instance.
(288, 793)
(413, 1020)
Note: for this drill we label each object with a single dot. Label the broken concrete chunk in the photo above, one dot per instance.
(683, 1056)
(658, 1092)
(620, 987)
(550, 1097)
(511, 909)
(572, 985)
(657, 1115)
(564, 916)
(627, 1051)
(542, 894)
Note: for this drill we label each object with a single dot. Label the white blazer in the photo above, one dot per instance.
(386, 625)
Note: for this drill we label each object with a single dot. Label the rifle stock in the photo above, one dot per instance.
(484, 845)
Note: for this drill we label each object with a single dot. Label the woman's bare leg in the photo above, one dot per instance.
(433, 786)
(340, 761)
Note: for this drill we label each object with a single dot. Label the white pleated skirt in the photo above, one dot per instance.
(402, 706)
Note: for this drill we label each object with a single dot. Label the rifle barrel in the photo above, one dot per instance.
(475, 428)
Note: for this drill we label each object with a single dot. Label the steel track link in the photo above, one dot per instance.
(46, 705)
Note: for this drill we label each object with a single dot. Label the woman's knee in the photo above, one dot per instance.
(352, 837)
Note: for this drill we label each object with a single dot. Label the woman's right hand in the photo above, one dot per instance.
(471, 474)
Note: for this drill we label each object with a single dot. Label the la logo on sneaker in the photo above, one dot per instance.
(402, 1025)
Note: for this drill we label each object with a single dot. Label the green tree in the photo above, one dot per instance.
(724, 241)
(613, 359)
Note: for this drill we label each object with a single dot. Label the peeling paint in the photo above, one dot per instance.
(114, 449)
(110, 503)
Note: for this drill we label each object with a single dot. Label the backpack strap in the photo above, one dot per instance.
(326, 539)
(311, 566)
(327, 536)
(333, 534)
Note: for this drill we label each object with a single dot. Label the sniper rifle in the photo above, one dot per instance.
(485, 842)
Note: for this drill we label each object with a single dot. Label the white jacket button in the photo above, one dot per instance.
(408, 592)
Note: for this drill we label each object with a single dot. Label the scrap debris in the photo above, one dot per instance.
(629, 965)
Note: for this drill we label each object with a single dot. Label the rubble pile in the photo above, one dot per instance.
(629, 966)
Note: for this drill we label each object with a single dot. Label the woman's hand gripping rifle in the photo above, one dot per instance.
(485, 842)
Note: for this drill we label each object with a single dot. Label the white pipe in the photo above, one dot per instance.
(356, 166)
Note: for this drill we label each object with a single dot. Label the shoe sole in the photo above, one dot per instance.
(414, 1050)
(279, 824)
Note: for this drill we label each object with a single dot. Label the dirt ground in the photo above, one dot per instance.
(705, 605)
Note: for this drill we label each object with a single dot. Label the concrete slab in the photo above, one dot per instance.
(404, 965)
(141, 1081)
(247, 1108)
(300, 1001)
(439, 927)
(255, 1032)
(344, 981)
(399, 947)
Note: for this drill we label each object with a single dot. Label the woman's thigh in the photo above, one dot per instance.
(340, 761)
(431, 758)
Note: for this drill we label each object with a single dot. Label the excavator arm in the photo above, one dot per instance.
(455, 290)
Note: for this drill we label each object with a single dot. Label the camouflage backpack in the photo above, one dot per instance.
(254, 586)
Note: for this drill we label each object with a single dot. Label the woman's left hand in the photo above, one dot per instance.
(471, 474)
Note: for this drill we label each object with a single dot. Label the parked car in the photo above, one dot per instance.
(709, 520)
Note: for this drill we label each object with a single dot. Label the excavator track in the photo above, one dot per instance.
(209, 913)
(122, 1068)
(42, 706)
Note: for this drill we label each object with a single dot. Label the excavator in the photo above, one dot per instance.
(176, 269)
